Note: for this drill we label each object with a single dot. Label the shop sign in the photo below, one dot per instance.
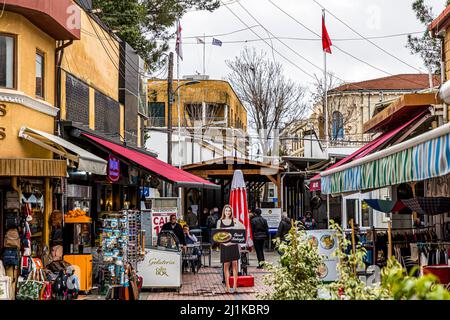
(315, 185)
(113, 168)
(160, 269)
(159, 218)
(273, 217)
(2, 114)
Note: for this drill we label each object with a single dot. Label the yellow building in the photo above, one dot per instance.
(213, 121)
(30, 34)
(212, 102)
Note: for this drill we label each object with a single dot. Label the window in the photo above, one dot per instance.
(7, 61)
(338, 126)
(39, 74)
(77, 100)
(157, 114)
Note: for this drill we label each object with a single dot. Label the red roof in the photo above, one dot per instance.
(397, 82)
(441, 21)
(166, 171)
(367, 149)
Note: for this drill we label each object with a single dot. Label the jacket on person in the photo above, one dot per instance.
(260, 228)
(177, 230)
(283, 228)
(211, 221)
(192, 220)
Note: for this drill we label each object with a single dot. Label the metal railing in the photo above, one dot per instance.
(160, 122)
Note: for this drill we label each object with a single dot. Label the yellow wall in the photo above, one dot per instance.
(17, 116)
(30, 38)
(210, 91)
(88, 60)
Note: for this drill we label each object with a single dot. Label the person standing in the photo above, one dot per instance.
(260, 230)
(229, 252)
(211, 223)
(176, 228)
(191, 219)
(308, 221)
(283, 229)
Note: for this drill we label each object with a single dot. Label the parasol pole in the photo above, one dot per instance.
(353, 241)
(414, 214)
(390, 238)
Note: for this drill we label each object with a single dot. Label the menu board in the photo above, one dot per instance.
(273, 217)
(326, 242)
(219, 236)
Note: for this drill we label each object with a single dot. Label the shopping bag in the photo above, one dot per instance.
(30, 290)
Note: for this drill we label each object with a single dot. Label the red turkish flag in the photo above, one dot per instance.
(326, 41)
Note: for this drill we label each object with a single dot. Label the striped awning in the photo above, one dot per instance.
(423, 157)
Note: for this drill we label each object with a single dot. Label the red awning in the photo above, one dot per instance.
(164, 170)
(362, 152)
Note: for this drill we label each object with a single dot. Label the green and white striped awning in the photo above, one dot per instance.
(423, 157)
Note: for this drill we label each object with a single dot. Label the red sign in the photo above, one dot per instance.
(314, 185)
(113, 168)
(159, 218)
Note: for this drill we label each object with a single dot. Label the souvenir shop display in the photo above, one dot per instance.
(114, 248)
(77, 234)
(134, 252)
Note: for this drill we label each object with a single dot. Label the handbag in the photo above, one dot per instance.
(30, 289)
(5, 288)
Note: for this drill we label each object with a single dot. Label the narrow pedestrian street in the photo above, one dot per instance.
(207, 284)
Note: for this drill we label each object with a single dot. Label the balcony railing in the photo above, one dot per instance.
(160, 122)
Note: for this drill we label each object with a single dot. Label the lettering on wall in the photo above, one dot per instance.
(2, 110)
(2, 114)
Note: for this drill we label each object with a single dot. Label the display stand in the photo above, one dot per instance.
(77, 234)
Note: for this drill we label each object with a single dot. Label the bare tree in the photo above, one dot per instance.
(273, 101)
(341, 109)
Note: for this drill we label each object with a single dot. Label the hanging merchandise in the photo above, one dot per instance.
(114, 246)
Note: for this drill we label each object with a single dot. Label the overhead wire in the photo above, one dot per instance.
(342, 50)
(368, 40)
(280, 54)
(289, 47)
(300, 39)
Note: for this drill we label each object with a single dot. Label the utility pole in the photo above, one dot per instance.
(169, 108)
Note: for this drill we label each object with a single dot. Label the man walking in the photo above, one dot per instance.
(260, 230)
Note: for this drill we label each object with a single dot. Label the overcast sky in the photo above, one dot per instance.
(369, 17)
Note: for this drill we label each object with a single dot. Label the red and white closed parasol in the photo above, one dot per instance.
(238, 201)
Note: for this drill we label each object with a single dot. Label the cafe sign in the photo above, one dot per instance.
(113, 168)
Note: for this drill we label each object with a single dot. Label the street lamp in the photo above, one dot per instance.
(189, 83)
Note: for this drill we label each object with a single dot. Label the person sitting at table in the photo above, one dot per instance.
(175, 227)
(191, 240)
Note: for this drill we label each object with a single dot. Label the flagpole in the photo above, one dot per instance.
(325, 89)
(204, 50)
(179, 108)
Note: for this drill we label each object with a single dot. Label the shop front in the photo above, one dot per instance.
(33, 170)
(417, 172)
(111, 219)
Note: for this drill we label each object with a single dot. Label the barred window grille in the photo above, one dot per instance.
(77, 100)
(107, 114)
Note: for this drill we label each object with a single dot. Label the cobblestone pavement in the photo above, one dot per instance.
(207, 284)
